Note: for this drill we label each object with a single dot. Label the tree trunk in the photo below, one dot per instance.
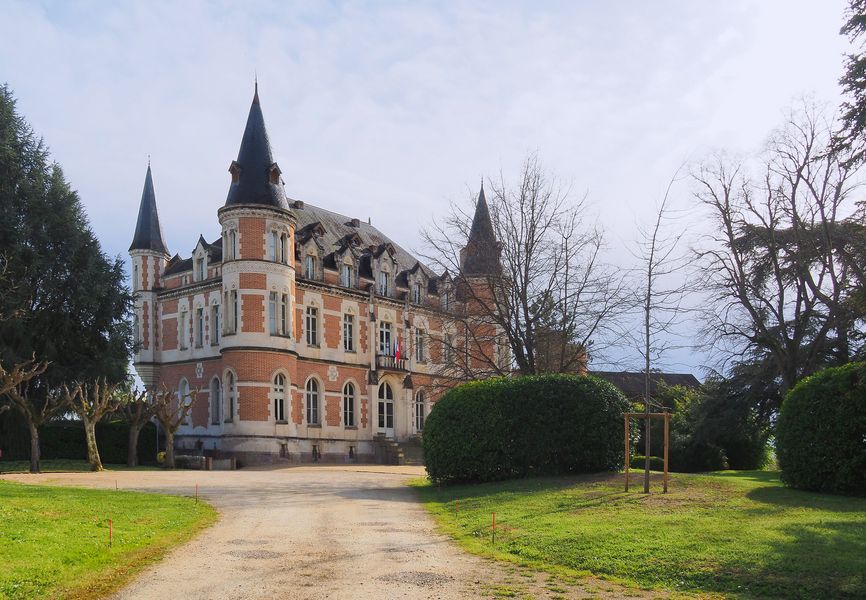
(34, 447)
(132, 450)
(169, 448)
(92, 448)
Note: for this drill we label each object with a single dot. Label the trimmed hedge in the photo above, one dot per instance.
(65, 439)
(821, 432)
(539, 425)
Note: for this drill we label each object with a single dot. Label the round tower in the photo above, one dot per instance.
(148, 254)
(258, 273)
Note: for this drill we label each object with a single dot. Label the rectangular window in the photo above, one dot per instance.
(349, 410)
(200, 269)
(273, 245)
(233, 312)
(312, 326)
(182, 333)
(284, 315)
(349, 333)
(199, 327)
(284, 249)
(416, 293)
(383, 283)
(385, 339)
(447, 349)
(215, 324)
(346, 276)
(272, 312)
(419, 345)
(310, 266)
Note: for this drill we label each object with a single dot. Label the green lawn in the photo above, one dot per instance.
(740, 534)
(54, 540)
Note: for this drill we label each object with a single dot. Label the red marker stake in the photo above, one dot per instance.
(110, 533)
(196, 493)
(456, 505)
(494, 528)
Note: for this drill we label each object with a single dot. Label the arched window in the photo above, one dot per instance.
(312, 398)
(284, 249)
(215, 401)
(420, 411)
(280, 399)
(231, 397)
(386, 406)
(348, 405)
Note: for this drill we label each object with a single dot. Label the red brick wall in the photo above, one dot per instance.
(142, 283)
(253, 281)
(169, 334)
(253, 313)
(145, 324)
(252, 239)
(333, 331)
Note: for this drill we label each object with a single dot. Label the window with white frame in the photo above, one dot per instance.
(274, 246)
(349, 333)
(231, 246)
(349, 405)
(231, 397)
(181, 323)
(312, 326)
(200, 269)
(384, 283)
(420, 410)
(278, 313)
(232, 317)
(283, 324)
(447, 348)
(346, 275)
(420, 337)
(199, 327)
(385, 338)
(386, 406)
(215, 324)
(215, 401)
(280, 398)
(273, 308)
(310, 266)
(312, 401)
(416, 293)
(446, 300)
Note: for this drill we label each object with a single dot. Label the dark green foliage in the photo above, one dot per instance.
(61, 298)
(853, 81)
(821, 432)
(543, 424)
(65, 439)
(657, 463)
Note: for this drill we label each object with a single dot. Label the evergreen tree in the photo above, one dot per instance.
(853, 83)
(63, 300)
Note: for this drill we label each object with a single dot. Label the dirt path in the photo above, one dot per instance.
(320, 532)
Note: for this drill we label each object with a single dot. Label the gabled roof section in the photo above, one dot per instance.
(631, 383)
(481, 255)
(148, 231)
(255, 176)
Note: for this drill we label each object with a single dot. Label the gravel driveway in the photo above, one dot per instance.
(319, 532)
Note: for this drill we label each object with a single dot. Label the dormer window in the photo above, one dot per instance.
(416, 293)
(346, 275)
(384, 283)
(310, 266)
(200, 269)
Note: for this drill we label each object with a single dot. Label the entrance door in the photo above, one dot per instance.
(386, 410)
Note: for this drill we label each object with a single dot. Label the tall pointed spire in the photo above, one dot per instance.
(148, 231)
(481, 255)
(255, 175)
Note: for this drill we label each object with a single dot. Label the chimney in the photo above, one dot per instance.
(356, 222)
(298, 204)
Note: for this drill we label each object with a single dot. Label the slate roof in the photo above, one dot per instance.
(254, 164)
(632, 383)
(336, 228)
(148, 231)
(482, 249)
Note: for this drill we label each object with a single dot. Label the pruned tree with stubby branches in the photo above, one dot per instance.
(37, 406)
(553, 299)
(20, 374)
(172, 411)
(137, 410)
(91, 401)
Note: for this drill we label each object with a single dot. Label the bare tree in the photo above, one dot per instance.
(785, 252)
(548, 298)
(92, 401)
(172, 411)
(660, 298)
(137, 410)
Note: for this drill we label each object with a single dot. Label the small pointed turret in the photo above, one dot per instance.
(255, 175)
(148, 231)
(481, 254)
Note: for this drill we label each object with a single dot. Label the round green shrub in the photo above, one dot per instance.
(540, 425)
(821, 432)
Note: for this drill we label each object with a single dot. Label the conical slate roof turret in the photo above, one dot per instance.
(481, 255)
(255, 175)
(148, 231)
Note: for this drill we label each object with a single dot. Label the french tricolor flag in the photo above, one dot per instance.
(397, 349)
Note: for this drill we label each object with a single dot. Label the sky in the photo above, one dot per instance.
(392, 110)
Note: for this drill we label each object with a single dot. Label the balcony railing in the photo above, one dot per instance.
(384, 361)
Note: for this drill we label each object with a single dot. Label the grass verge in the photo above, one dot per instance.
(54, 540)
(740, 534)
(64, 465)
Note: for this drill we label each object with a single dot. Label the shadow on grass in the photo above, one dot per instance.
(789, 498)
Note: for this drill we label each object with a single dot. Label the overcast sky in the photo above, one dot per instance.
(391, 110)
